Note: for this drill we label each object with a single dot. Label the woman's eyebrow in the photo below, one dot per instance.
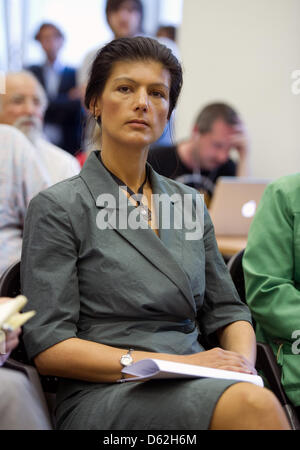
(129, 80)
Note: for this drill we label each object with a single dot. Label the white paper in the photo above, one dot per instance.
(156, 368)
(10, 307)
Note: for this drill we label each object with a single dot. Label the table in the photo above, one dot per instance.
(230, 245)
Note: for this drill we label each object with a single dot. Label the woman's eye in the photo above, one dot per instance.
(158, 94)
(124, 89)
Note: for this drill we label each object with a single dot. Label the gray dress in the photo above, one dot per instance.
(128, 289)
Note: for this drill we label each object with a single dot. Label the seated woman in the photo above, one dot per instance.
(102, 288)
(272, 277)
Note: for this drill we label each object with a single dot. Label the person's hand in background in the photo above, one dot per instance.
(11, 338)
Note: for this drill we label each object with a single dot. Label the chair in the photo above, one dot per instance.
(265, 361)
(10, 286)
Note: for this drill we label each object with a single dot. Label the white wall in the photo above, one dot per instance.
(244, 52)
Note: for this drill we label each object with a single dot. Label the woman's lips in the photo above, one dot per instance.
(138, 123)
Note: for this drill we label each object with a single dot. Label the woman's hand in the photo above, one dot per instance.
(217, 358)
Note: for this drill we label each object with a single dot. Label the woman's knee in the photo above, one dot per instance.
(247, 406)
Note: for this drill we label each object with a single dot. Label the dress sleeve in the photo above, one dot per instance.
(222, 304)
(269, 265)
(49, 275)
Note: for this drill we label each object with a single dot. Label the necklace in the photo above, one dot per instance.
(144, 210)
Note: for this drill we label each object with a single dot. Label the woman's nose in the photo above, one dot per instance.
(142, 101)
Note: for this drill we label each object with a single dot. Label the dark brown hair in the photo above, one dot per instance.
(50, 25)
(132, 49)
(215, 111)
(114, 5)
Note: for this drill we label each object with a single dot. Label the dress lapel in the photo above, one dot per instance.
(164, 252)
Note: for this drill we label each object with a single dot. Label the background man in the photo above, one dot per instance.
(21, 177)
(205, 156)
(64, 115)
(23, 106)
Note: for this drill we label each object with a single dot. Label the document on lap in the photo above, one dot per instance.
(149, 369)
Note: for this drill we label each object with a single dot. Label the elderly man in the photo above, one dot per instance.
(199, 160)
(21, 177)
(23, 106)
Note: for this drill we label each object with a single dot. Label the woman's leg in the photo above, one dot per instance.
(245, 406)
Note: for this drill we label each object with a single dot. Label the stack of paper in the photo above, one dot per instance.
(147, 369)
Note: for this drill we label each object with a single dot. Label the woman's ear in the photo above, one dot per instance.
(95, 108)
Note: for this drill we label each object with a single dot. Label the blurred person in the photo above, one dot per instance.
(64, 114)
(125, 18)
(20, 408)
(23, 106)
(199, 160)
(271, 264)
(21, 177)
(167, 35)
(167, 31)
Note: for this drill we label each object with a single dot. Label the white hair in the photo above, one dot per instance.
(27, 73)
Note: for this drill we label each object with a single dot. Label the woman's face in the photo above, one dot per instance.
(134, 105)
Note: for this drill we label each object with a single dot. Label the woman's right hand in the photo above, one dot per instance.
(217, 358)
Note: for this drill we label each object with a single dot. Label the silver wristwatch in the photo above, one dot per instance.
(126, 360)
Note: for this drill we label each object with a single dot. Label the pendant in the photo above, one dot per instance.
(145, 211)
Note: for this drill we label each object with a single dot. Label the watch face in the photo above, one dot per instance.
(126, 360)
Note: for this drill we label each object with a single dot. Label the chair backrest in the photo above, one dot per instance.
(237, 274)
(10, 285)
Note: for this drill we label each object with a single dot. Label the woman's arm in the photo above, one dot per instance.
(90, 361)
(269, 261)
(93, 362)
(239, 337)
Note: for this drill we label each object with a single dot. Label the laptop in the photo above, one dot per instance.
(234, 204)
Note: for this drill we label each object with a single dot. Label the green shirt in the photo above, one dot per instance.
(272, 276)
